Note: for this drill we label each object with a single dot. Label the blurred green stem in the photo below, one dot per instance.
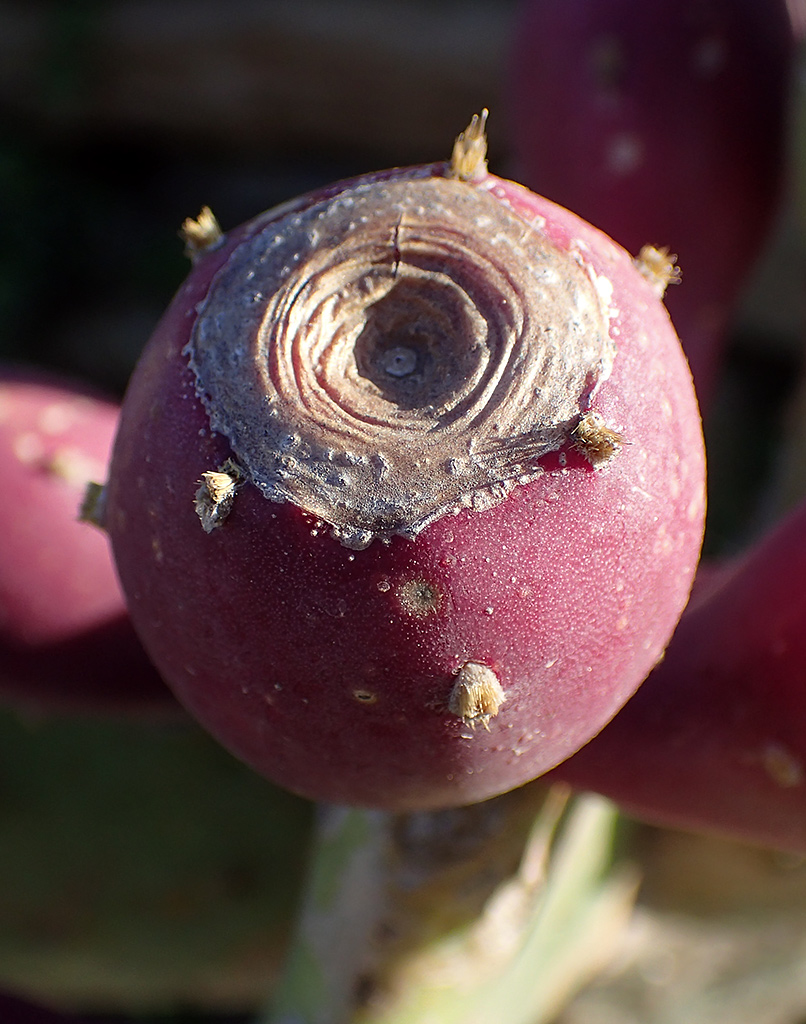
(489, 913)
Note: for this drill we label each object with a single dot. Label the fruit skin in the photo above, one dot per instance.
(662, 124)
(66, 642)
(330, 670)
(714, 740)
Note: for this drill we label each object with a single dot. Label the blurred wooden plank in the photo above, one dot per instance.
(398, 77)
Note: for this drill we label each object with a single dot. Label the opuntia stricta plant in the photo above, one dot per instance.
(406, 501)
(408, 489)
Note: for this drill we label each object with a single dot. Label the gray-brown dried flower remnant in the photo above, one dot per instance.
(595, 440)
(477, 695)
(371, 366)
(216, 494)
(659, 267)
(202, 234)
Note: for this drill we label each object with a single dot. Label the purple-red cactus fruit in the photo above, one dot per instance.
(662, 124)
(407, 494)
(715, 739)
(65, 637)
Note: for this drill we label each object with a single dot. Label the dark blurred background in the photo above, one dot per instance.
(118, 119)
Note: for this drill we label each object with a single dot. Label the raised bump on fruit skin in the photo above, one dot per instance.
(418, 597)
(58, 417)
(202, 234)
(365, 697)
(625, 154)
(659, 267)
(66, 462)
(72, 465)
(782, 766)
(216, 493)
(469, 157)
(28, 448)
(92, 509)
(477, 695)
(595, 440)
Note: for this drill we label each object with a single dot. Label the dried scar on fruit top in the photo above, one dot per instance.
(406, 347)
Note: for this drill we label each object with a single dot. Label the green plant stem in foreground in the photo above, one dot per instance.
(494, 912)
